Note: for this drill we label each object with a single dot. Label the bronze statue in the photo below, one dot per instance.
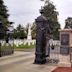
(42, 30)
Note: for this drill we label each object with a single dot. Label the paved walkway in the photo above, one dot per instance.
(23, 62)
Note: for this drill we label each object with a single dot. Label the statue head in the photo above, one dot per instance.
(41, 11)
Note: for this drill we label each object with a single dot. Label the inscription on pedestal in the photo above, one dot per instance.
(64, 44)
(65, 39)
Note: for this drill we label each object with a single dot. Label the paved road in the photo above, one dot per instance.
(22, 62)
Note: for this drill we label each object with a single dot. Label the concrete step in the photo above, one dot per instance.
(64, 61)
(64, 64)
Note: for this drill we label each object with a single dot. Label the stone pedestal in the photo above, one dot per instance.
(66, 40)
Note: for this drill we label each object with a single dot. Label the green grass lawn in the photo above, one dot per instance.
(24, 46)
(5, 47)
(18, 48)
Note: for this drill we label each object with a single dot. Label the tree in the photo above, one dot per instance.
(68, 22)
(4, 23)
(33, 28)
(51, 15)
(4, 14)
(19, 32)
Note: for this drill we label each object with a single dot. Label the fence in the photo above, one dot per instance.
(6, 48)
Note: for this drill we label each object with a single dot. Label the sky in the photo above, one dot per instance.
(26, 11)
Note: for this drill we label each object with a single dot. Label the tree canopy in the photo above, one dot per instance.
(19, 32)
(4, 22)
(52, 16)
(33, 28)
(68, 22)
(4, 14)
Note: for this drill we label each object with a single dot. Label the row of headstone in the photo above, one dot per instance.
(18, 42)
(24, 42)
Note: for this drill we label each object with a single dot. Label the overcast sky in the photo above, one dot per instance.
(25, 11)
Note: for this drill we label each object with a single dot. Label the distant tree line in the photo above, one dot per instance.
(21, 32)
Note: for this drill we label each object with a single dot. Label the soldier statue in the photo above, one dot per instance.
(42, 30)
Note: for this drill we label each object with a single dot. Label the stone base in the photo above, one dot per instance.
(40, 58)
(64, 50)
(64, 64)
(39, 61)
